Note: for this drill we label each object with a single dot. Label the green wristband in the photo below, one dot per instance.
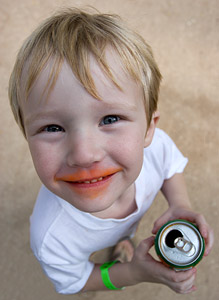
(105, 275)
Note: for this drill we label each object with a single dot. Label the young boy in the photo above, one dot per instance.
(84, 92)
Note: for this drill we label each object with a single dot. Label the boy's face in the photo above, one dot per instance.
(87, 151)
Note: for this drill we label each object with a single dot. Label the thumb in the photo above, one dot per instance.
(160, 222)
(145, 246)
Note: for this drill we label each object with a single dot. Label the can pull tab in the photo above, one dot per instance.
(186, 247)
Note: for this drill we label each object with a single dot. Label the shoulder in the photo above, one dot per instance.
(161, 143)
(164, 156)
(159, 147)
(161, 138)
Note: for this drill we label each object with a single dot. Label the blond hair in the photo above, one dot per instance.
(73, 35)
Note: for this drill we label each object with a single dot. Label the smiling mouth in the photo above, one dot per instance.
(90, 181)
(88, 177)
(95, 183)
(89, 184)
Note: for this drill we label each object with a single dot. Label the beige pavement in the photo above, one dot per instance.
(184, 37)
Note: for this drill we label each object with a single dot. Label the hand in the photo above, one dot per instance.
(179, 212)
(145, 268)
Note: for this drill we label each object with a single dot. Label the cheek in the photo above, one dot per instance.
(45, 160)
(130, 152)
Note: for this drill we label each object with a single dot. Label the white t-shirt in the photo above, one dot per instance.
(63, 237)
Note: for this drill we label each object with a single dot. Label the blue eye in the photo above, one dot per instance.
(109, 120)
(53, 128)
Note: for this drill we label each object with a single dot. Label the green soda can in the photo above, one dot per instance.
(179, 245)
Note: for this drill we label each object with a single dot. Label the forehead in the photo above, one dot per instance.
(125, 83)
(67, 83)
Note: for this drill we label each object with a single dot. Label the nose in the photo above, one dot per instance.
(84, 149)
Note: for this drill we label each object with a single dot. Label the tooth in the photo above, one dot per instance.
(94, 180)
(91, 181)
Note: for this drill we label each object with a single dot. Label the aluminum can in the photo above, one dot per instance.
(179, 244)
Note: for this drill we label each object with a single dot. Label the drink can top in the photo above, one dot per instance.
(179, 244)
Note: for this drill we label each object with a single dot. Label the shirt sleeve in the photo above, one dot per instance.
(64, 267)
(68, 278)
(63, 259)
(172, 160)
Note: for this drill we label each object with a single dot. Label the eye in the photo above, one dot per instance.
(53, 128)
(109, 120)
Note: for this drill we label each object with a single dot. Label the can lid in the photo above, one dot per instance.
(180, 244)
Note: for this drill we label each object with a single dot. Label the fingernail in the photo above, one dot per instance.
(204, 233)
(194, 288)
(207, 252)
(194, 270)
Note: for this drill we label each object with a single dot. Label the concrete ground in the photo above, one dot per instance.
(184, 37)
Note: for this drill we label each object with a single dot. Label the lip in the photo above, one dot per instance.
(89, 183)
(82, 176)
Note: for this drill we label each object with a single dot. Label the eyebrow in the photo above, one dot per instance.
(41, 115)
(52, 113)
(131, 107)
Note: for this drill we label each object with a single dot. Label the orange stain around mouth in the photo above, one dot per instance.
(77, 181)
(84, 175)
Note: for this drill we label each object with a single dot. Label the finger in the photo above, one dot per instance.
(160, 222)
(209, 241)
(186, 286)
(202, 225)
(182, 276)
(197, 219)
(184, 289)
(205, 231)
(145, 246)
(193, 289)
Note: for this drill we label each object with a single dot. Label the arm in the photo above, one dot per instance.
(174, 190)
(143, 268)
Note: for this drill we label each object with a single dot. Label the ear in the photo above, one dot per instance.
(150, 130)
